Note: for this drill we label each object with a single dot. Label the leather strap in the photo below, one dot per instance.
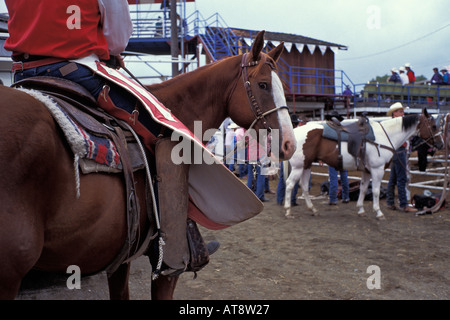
(20, 65)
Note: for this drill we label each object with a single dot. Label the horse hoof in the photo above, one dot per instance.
(361, 214)
(289, 216)
(382, 217)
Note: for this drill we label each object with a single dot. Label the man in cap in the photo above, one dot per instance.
(398, 169)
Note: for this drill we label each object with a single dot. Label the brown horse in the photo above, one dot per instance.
(43, 224)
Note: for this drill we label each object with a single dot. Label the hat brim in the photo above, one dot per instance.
(391, 111)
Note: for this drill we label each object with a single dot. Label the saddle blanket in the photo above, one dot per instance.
(85, 145)
(330, 133)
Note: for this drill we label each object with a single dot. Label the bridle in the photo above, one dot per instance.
(254, 106)
(431, 137)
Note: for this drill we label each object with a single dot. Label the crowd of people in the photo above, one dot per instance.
(405, 75)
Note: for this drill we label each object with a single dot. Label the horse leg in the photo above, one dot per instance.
(304, 182)
(163, 287)
(118, 283)
(365, 180)
(21, 244)
(377, 175)
(293, 178)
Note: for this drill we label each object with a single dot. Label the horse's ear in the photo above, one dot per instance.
(258, 45)
(425, 113)
(276, 52)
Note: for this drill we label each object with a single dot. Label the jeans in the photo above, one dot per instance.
(334, 184)
(398, 177)
(94, 84)
(259, 185)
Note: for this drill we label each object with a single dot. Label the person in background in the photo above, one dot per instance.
(403, 77)
(395, 78)
(437, 78)
(445, 76)
(398, 176)
(410, 73)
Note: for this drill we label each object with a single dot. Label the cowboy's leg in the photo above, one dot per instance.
(172, 182)
(344, 183)
(390, 197)
(333, 178)
(281, 187)
(401, 180)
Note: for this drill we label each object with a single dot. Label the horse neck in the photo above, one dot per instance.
(199, 95)
(398, 135)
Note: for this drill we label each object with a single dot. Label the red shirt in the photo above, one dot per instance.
(68, 29)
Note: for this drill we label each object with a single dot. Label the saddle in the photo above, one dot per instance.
(356, 134)
(82, 108)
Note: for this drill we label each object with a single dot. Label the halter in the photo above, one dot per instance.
(259, 115)
(431, 137)
(254, 106)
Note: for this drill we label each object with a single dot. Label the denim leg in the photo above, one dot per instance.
(281, 187)
(260, 184)
(344, 183)
(333, 185)
(250, 177)
(401, 179)
(390, 197)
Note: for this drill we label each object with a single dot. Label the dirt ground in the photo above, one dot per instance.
(309, 257)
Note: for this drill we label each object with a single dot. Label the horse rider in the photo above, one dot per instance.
(51, 38)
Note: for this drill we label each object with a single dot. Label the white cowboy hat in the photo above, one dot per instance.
(402, 69)
(407, 65)
(396, 106)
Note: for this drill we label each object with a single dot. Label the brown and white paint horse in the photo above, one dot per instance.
(311, 146)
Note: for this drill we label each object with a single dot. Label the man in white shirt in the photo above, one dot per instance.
(403, 76)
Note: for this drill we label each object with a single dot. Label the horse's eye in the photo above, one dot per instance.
(263, 85)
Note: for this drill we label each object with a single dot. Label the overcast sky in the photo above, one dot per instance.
(380, 34)
(367, 27)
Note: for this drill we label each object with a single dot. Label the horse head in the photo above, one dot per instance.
(259, 87)
(429, 131)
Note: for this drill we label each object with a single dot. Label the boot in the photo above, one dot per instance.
(173, 207)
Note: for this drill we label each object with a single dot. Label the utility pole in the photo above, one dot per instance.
(174, 36)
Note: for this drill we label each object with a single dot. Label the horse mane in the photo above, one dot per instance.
(409, 120)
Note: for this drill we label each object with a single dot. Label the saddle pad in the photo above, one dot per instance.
(83, 144)
(330, 133)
